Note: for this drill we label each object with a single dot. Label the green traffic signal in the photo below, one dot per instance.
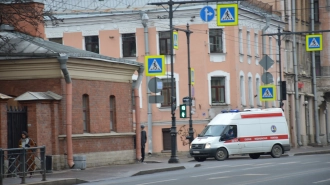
(183, 111)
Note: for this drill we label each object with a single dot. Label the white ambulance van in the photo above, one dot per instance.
(256, 133)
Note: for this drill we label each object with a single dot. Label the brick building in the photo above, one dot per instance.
(102, 127)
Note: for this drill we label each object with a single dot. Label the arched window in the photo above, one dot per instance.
(113, 113)
(251, 100)
(242, 88)
(86, 122)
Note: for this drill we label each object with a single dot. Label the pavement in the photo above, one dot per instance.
(153, 164)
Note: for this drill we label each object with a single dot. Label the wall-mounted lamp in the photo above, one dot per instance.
(111, 37)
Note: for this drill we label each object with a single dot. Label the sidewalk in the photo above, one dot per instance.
(153, 164)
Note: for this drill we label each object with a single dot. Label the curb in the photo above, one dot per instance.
(68, 181)
(144, 172)
(312, 152)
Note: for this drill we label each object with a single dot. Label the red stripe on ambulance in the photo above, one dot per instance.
(277, 114)
(263, 138)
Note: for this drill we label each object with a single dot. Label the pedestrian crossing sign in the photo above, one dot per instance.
(267, 93)
(155, 65)
(314, 43)
(227, 14)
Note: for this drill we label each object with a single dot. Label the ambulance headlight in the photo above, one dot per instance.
(207, 145)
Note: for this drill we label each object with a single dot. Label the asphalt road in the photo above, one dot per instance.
(293, 170)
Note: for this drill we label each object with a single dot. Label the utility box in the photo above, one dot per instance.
(49, 164)
(79, 162)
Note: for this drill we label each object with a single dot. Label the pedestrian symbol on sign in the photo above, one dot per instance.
(267, 94)
(227, 16)
(314, 43)
(154, 66)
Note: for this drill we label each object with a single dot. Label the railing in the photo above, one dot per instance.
(22, 161)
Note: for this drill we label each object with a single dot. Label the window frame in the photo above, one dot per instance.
(226, 75)
(248, 35)
(86, 113)
(162, 38)
(93, 44)
(217, 89)
(130, 40)
(56, 40)
(113, 117)
(215, 37)
(167, 88)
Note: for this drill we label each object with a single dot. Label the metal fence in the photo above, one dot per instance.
(20, 162)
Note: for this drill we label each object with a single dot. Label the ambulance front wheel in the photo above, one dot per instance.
(276, 151)
(221, 154)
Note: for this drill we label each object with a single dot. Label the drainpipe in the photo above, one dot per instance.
(264, 43)
(145, 18)
(295, 69)
(137, 113)
(316, 114)
(63, 61)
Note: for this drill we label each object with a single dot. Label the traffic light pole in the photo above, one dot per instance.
(191, 130)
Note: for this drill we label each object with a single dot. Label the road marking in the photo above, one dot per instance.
(158, 182)
(310, 162)
(255, 174)
(229, 166)
(262, 164)
(218, 166)
(209, 174)
(321, 181)
(258, 167)
(289, 162)
(219, 177)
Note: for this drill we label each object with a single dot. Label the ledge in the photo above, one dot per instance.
(98, 135)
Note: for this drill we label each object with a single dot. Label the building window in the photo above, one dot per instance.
(257, 90)
(248, 43)
(216, 43)
(57, 40)
(316, 11)
(86, 112)
(317, 63)
(164, 42)
(133, 97)
(113, 113)
(250, 92)
(166, 92)
(92, 43)
(270, 48)
(242, 90)
(256, 44)
(129, 45)
(240, 35)
(218, 89)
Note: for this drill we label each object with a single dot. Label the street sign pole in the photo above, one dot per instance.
(279, 63)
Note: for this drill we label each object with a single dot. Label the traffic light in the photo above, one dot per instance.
(183, 111)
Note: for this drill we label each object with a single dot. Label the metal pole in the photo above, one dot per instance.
(295, 70)
(191, 130)
(43, 162)
(264, 48)
(316, 114)
(173, 158)
(23, 163)
(279, 62)
(1, 166)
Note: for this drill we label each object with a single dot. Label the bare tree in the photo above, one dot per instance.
(25, 16)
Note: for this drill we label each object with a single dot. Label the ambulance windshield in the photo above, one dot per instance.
(212, 130)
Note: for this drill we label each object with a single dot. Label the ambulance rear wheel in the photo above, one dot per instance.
(276, 151)
(221, 154)
(200, 159)
(254, 156)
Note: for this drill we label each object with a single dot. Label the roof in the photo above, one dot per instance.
(49, 95)
(3, 96)
(18, 45)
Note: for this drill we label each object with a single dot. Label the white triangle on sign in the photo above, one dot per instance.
(314, 43)
(154, 66)
(267, 94)
(227, 16)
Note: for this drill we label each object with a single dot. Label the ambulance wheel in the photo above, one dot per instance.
(221, 154)
(200, 159)
(254, 156)
(276, 151)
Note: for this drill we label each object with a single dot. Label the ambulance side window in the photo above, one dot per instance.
(232, 132)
